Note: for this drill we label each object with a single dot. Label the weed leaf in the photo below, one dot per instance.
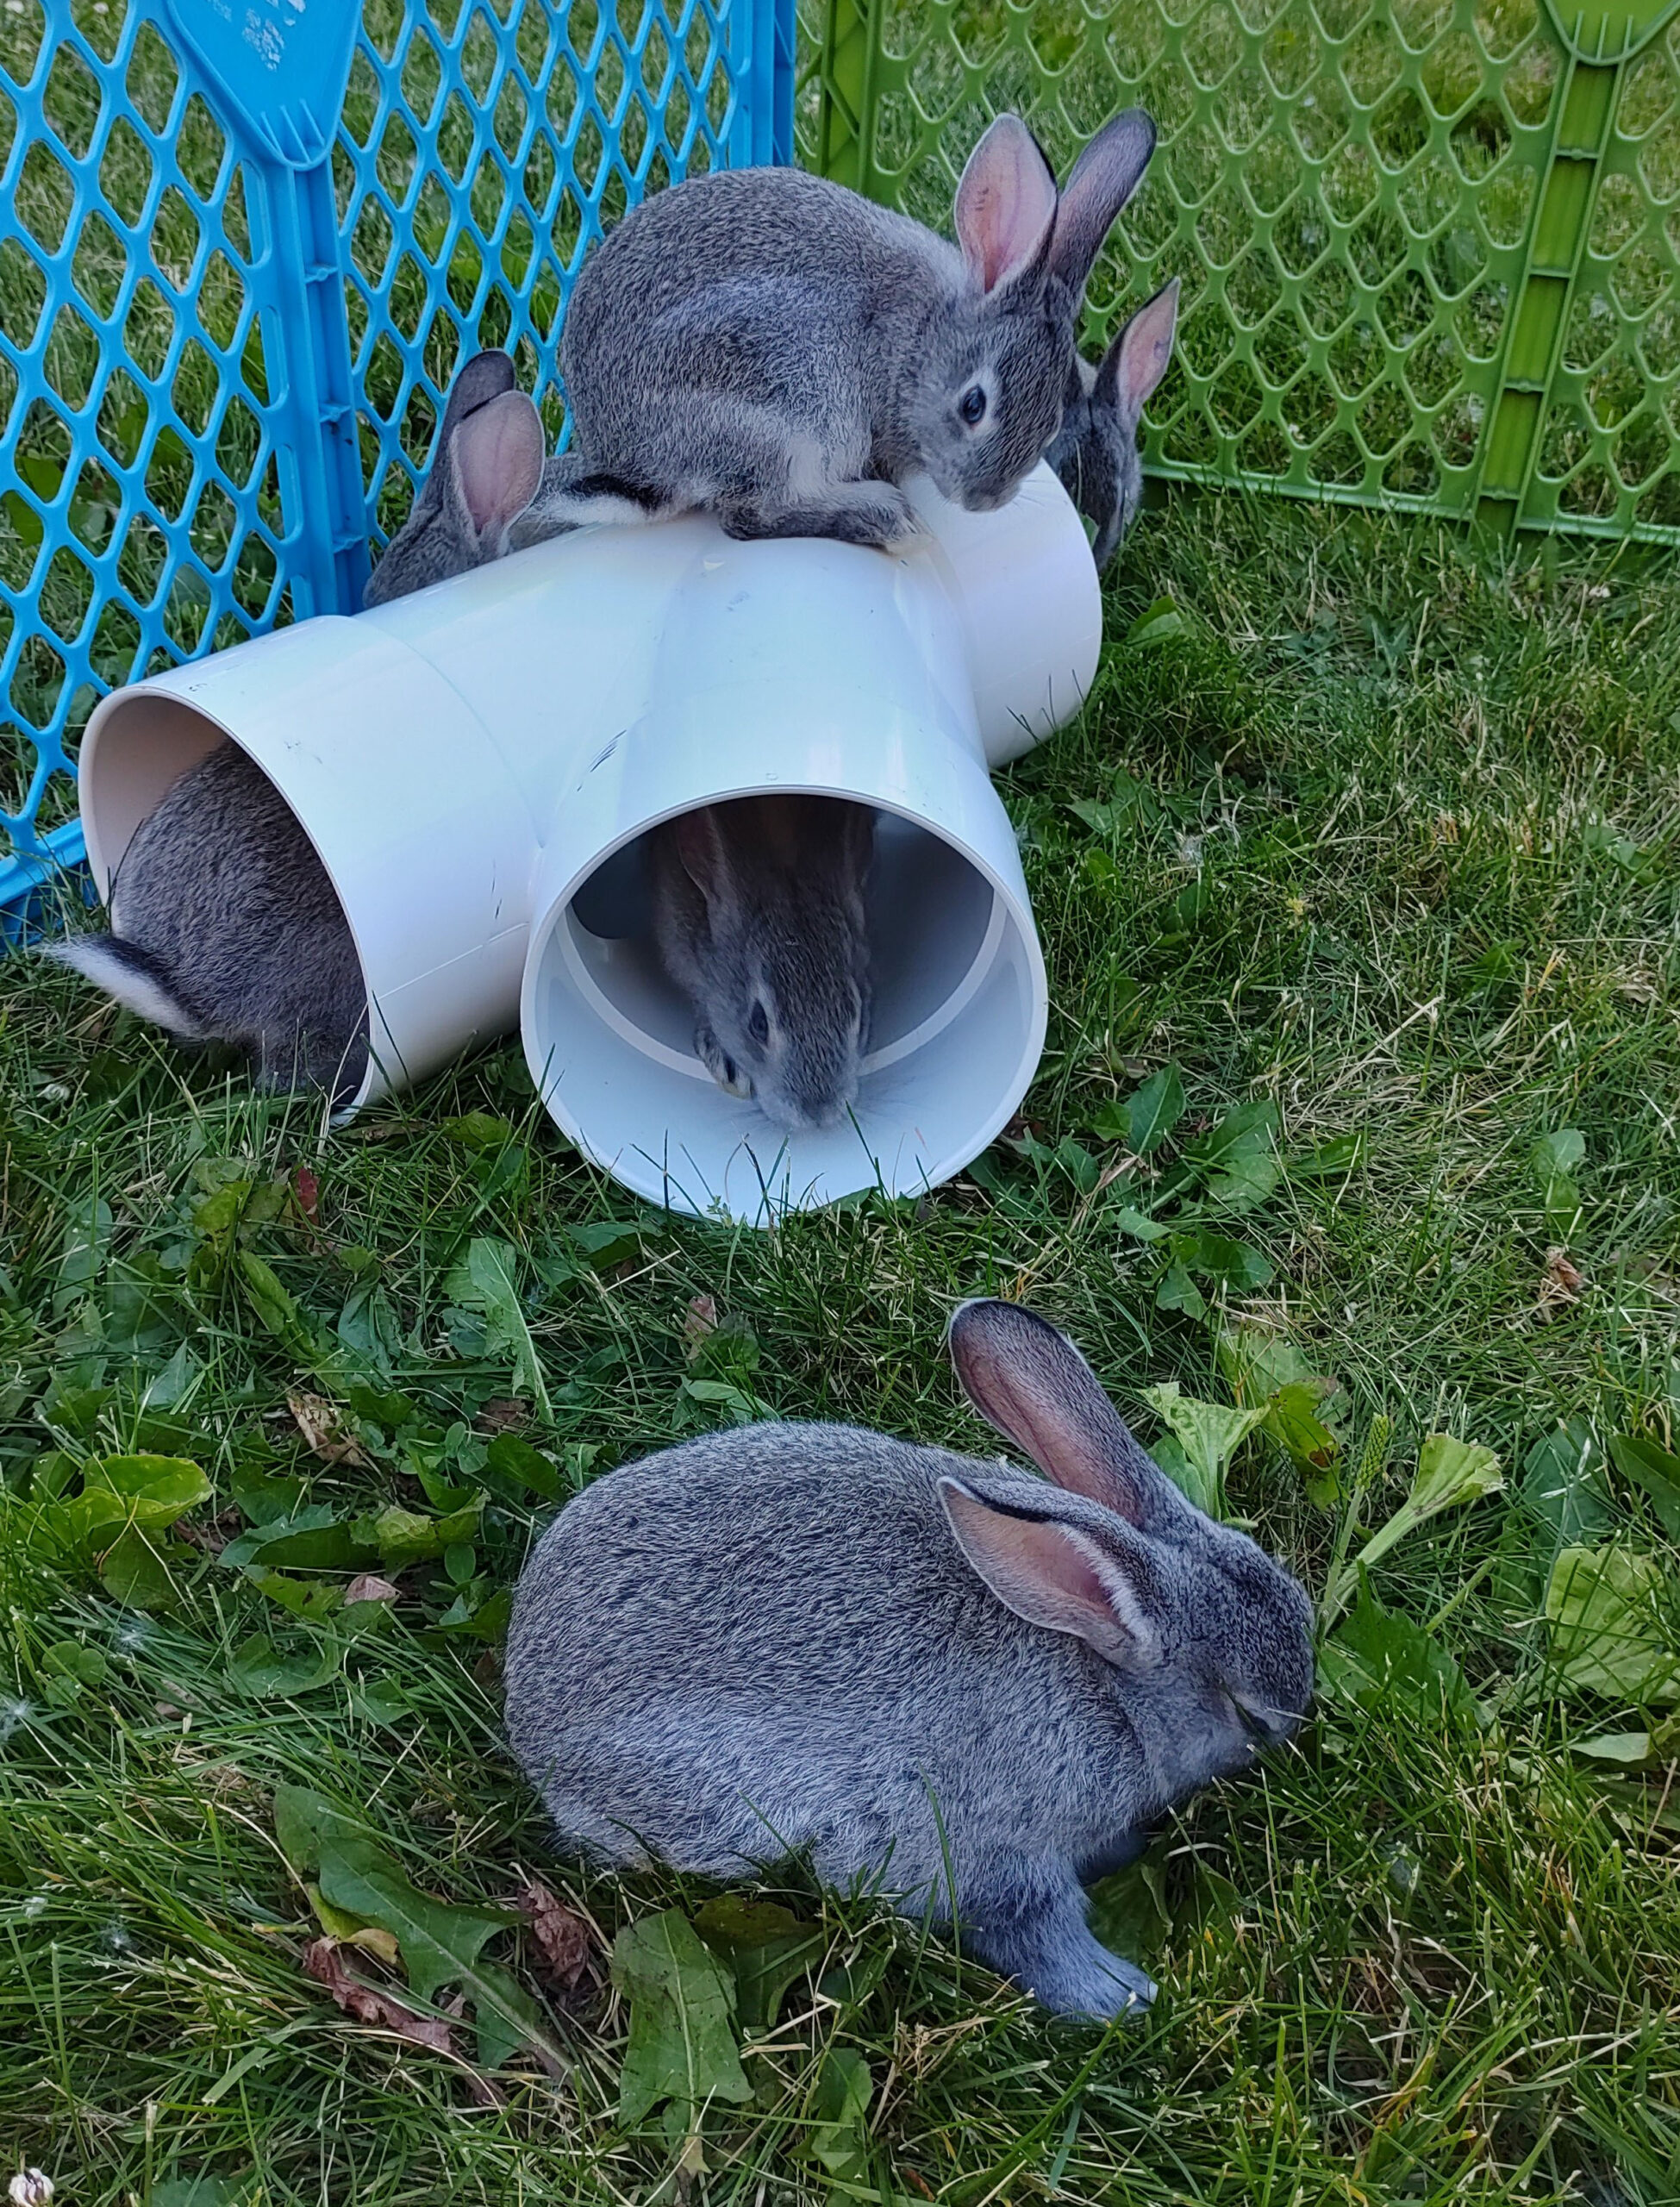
(1208, 1433)
(1606, 1610)
(765, 1948)
(369, 2003)
(259, 1672)
(484, 1281)
(682, 2031)
(1153, 1111)
(1160, 621)
(1342, 1155)
(440, 1943)
(840, 2133)
(1656, 1472)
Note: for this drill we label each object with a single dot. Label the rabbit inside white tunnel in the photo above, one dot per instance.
(225, 926)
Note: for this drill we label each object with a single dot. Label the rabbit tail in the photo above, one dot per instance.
(133, 976)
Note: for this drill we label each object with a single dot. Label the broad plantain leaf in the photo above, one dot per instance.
(1609, 1612)
(134, 1572)
(148, 1493)
(1562, 1488)
(1178, 1291)
(1451, 1472)
(1656, 1472)
(1553, 1160)
(1129, 1909)
(1208, 1433)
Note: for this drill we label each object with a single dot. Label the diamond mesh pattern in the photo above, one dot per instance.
(161, 424)
(478, 161)
(139, 511)
(1351, 193)
(1610, 460)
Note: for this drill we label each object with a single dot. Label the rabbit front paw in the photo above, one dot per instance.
(718, 1062)
(874, 514)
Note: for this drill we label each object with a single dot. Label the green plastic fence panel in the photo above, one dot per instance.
(1431, 248)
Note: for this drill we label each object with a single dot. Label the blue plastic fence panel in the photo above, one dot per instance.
(242, 250)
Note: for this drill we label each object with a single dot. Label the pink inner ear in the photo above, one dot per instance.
(1146, 347)
(1006, 203)
(496, 454)
(1044, 1572)
(1059, 1425)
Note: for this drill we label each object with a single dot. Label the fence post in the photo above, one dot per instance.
(846, 117)
(1599, 41)
(326, 495)
(281, 77)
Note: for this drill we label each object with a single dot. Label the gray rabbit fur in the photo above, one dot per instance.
(770, 346)
(224, 924)
(979, 1687)
(1096, 451)
(759, 917)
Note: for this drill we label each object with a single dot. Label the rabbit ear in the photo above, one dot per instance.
(1033, 1385)
(857, 838)
(1006, 204)
(705, 855)
(484, 377)
(1053, 1574)
(496, 463)
(1137, 359)
(1104, 178)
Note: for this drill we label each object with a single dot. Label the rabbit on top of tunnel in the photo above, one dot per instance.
(771, 346)
(224, 925)
(979, 1687)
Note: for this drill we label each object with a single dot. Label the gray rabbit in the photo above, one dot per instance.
(768, 346)
(978, 1686)
(759, 917)
(224, 924)
(484, 472)
(1096, 452)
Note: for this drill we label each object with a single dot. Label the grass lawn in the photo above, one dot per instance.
(1374, 832)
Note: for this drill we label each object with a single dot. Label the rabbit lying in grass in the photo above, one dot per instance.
(978, 1687)
(767, 346)
(1096, 451)
(759, 917)
(224, 925)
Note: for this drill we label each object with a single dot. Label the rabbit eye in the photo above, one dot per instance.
(973, 406)
(757, 1024)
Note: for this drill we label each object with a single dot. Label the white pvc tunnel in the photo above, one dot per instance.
(479, 764)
